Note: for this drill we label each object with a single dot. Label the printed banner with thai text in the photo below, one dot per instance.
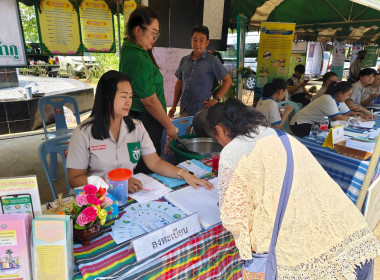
(339, 53)
(273, 60)
(12, 46)
(370, 59)
(96, 23)
(58, 27)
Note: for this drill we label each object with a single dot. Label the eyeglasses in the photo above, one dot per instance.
(155, 35)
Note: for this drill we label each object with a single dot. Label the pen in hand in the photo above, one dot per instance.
(145, 190)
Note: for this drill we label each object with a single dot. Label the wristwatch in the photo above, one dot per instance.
(217, 98)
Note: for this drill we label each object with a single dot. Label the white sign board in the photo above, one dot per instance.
(12, 46)
(338, 134)
(162, 238)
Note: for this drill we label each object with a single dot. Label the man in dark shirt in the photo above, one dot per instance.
(195, 76)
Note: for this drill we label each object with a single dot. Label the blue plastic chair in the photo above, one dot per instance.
(57, 102)
(286, 127)
(58, 145)
(182, 124)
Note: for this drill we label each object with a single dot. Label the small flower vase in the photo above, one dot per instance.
(86, 235)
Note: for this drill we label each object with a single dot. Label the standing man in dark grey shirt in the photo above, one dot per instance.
(195, 77)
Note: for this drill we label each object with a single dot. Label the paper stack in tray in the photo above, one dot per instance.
(141, 218)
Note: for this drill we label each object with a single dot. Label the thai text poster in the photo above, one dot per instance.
(276, 41)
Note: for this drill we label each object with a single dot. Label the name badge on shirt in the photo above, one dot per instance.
(134, 150)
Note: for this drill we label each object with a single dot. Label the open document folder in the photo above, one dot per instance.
(202, 201)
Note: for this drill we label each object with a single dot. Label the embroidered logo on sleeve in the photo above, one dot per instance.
(134, 150)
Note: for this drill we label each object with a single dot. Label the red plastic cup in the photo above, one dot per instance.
(215, 161)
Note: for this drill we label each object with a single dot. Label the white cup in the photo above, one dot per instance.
(28, 91)
(282, 111)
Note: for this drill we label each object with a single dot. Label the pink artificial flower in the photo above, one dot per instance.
(90, 213)
(82, 220)
(81, 200)
(108, 201)
(90, 189)
(92, 199)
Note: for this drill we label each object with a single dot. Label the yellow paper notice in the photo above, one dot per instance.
(96, 26)
(273, 59)
(50, 231)
(8, 238)
(129, 7)
(59, 27)
(51, 262)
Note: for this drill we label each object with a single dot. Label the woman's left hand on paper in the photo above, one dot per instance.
(196, 182)
(134, 185)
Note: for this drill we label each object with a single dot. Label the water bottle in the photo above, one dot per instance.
(322, 131)
(314, 131)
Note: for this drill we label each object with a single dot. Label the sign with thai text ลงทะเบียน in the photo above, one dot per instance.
(12, 46)
(162, 238)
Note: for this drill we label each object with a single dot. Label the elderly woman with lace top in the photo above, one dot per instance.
(322, 236)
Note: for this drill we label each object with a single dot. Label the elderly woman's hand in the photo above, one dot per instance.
(196, 182)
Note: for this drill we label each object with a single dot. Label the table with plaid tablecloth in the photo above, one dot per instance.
(210, 254)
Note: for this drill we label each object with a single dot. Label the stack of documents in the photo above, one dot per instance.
(203, 202)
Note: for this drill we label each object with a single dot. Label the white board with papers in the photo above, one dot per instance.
(202, 201)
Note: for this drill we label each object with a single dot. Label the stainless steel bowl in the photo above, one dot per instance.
(202, 146)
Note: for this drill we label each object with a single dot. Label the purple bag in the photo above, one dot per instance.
(264, 266)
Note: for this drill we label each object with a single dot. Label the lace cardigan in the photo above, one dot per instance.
(323, 235)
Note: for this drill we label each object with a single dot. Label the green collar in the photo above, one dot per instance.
(133, 45)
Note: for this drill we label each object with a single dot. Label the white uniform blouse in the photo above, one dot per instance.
(102, 156)
(316, 110)
(269, 107)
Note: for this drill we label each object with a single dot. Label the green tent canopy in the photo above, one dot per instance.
(322, 20)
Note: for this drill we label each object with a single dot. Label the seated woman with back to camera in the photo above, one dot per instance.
(273, 93)
(329, 105)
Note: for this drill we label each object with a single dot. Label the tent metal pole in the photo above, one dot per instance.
(369, 175)
(118, 24)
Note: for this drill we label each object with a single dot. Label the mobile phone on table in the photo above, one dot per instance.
(16, 204)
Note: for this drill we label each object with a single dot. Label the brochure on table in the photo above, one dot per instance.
(20, 195)
(14, 247)
(52, 237)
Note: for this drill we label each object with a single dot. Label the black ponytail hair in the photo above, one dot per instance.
(237, 117)
(336, 87)
(274, 86)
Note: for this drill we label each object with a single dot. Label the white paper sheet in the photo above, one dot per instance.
(360, 145)
(198, 171)
(203, 202)
(156, 189)
(369, 124)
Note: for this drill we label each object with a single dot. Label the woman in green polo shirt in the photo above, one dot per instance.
(138, 63)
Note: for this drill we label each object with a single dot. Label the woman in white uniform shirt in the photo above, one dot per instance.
(274, 92)
(330, 104)
(110, 139)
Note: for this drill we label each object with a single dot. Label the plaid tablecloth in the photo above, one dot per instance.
(347, 172)
(210, 254)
